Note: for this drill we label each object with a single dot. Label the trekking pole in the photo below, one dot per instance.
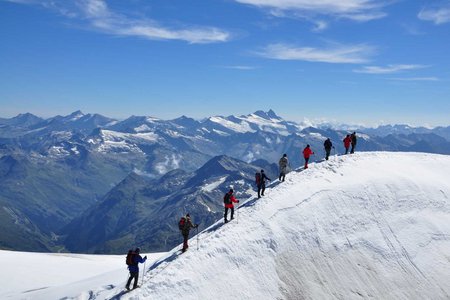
(197, 237)
(143, 270)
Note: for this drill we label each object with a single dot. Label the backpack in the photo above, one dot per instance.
(130, 258)
(181, 223)
(258, 178)
(226, 198)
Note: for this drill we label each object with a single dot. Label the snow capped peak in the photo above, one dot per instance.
(75, 115)
(267, 115)
(25, 115)
(272, 114)
(152, 119)
(26, 119)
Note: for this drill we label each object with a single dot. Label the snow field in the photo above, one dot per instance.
(26, 275)
(361, 226)
(369, 225)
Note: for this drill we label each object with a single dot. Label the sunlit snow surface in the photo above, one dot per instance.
(366, 226)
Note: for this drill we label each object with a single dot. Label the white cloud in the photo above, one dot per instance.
(245, 68)
(438, 16)
(351, 54)
(22, 1)
(364, 17)
(95, 8)
(412, 29)
(100, 17)
(388, 69)
(192, 35)
(417, 79)
(105, 20)
(320, 25)
(361, 10)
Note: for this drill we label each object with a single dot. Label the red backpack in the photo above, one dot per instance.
(181, 223)
(130, 258)
(258, 178)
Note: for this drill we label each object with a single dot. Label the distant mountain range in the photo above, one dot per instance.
(89, 183)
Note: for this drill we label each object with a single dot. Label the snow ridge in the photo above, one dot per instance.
(370, 225)
(367, 225)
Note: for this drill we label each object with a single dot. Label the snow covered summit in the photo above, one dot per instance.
(362, 226)
(370, 225)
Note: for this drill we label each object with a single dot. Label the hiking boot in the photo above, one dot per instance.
(226, 221)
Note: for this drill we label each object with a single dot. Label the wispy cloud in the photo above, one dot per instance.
(360, 10)
(320, 25)
(388, 69)
(437, 15)
(412, 29)
(339, 54)
(22, 1)
(98, 16)
(416, 79)
(365, 17)
(243, 68)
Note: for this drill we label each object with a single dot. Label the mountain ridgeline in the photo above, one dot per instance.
(89, 183)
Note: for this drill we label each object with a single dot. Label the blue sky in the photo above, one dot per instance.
(352, 61)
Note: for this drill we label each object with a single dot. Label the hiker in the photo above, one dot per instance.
(185, 228)
(260, 179)
(133, 260)
(353, 137)
(283, 164)
(307, 152)
(347, 140)
(327, 145)
(228, 201)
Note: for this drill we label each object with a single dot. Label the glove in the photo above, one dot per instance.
(238, 201)
(196, 225)
(145, 257)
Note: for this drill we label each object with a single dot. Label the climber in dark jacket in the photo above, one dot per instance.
(354, 140)
(134, 268)
(185, 232)
(327, 145)
(262, 183)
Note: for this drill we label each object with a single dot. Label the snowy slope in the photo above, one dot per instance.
(370, 225)
(26, 275)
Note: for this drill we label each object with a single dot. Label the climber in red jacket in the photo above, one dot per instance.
(307, 152)
(347, 142)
